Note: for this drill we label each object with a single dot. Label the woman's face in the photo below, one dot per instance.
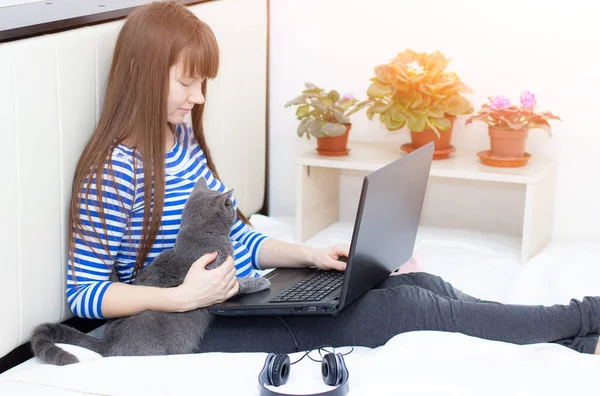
(184, 93)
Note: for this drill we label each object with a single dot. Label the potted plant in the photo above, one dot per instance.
(508, 128)
(414, 90)
(325, 116)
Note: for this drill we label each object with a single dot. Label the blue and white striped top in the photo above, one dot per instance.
(184, 165)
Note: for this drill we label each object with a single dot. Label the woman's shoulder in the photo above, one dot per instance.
(121, 162)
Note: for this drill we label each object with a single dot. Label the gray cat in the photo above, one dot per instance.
(206, 222)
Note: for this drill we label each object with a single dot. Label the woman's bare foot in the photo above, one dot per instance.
(597, 351)
(412, 265)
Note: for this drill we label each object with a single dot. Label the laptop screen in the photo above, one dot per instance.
(387, 221)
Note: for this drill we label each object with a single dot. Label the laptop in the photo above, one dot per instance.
(383, 238)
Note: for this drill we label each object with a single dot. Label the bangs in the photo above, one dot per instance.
(200, 57)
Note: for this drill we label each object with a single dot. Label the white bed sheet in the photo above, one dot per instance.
(420, 363)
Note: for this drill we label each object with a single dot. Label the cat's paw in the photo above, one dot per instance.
(262, 283)
(253, 285)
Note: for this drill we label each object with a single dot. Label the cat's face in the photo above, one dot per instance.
(209, 209)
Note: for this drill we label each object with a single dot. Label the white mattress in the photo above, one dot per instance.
(424, 363)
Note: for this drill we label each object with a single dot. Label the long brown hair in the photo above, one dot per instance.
(153, 39)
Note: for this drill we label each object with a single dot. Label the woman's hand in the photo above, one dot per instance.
(202, 287)
(328, 258)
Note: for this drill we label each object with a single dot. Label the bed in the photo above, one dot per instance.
(421, 363)
(33, 208)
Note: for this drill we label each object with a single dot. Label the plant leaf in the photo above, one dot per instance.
(437, 62)
(379, 90)
(550, 116)
(389, 122)
(444, 80)
(401, 71)
(302, 111)
(326, 102)
(360, 106)
(401, 85)
(303, 127)
(345, 105)
(296, 101)
(398, 115)
(416, 122)
(377, 106)
(543, 125)
(370, 113)
(442, 123)
(425, 89)
(407, 56)
(314, 128)
(340, 117)
(333, 129)
(457, 104)
(513, 124)
(417, 100)
(384, 73)
(424, 111)
(333, 95)
(313, 91)
(433, 127)
(317, 105)
(436, 112)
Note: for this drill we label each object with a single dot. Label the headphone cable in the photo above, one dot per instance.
(320, 348)
(291, 332)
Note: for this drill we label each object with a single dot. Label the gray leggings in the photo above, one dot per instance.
(410, 302)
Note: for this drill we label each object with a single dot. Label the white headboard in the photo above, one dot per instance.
(51, 91)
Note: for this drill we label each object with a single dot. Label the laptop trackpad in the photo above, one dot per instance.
(287, 276)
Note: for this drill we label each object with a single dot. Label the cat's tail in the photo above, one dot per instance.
(45, 337)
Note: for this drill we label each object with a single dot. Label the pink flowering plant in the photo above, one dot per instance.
(322, 113)
(500, 113)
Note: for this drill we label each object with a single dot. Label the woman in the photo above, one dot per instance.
(148, 161)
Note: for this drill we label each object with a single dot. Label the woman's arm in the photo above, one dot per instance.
(123, 299)
(95, 245)
(264, 252)
(279, 254)
(91, 294)
(200, 288)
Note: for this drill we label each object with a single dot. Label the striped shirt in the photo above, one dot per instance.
(123, 204)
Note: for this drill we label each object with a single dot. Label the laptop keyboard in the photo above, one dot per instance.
(314, 288)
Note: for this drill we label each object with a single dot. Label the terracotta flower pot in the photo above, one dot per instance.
(420, 139)
(334, 146)
(442, 146)
(507, 143)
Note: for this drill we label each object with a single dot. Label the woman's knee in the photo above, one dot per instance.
(408, 297)
(418, 279)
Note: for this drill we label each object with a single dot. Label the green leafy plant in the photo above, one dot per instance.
(322, 113)
(415, 90)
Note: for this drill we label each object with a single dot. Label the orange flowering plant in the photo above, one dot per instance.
(414, 89)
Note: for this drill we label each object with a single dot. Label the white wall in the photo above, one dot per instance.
(6, 3)
(548, 47)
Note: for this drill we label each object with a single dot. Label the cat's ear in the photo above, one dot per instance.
(200, 185)
(222, 198)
